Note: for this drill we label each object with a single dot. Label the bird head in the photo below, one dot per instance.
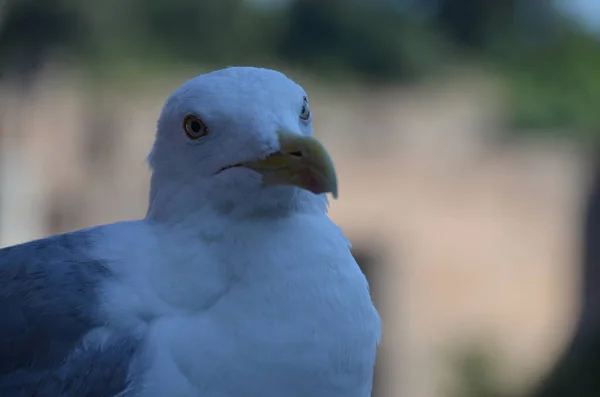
(238, 138)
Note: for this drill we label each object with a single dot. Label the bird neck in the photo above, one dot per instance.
(189, 204)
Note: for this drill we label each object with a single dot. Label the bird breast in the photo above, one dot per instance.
(288, 314)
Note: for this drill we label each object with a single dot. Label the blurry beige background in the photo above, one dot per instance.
(470, 234)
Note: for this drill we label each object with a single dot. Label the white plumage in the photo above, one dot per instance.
(236, 284)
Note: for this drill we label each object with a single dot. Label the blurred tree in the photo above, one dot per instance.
(346, 35)
(549, 66)
(465, 21)
(476, 374)
(366, 39)
(32, 29)
(556, 87)
(193, 31)
(549, 63)
(476, 24)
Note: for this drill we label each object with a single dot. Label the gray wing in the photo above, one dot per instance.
(48, 302)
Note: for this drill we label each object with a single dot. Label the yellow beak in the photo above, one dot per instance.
(301, 161)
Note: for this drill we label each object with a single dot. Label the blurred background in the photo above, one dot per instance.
(465, 133)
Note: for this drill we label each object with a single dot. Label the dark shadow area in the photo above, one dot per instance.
(369, 258)
(577, 372)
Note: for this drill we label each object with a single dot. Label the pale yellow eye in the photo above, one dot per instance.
(194, 127)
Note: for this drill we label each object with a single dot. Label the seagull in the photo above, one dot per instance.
(235, 284)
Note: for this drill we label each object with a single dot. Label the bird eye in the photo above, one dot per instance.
(305, 112)
(194, 127)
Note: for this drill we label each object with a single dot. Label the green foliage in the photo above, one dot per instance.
(369, 41)
(333, 37)
(474, 374)
(320, 36)
(557, 86)
(195, 31)
(31, 29)
(550, 68)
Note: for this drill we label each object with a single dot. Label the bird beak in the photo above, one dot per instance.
(302, 161)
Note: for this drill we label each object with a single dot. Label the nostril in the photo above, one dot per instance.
(296, 153)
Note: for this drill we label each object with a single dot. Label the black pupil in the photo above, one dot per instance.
(195, 126)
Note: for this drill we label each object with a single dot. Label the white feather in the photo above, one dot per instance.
(237, 290)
